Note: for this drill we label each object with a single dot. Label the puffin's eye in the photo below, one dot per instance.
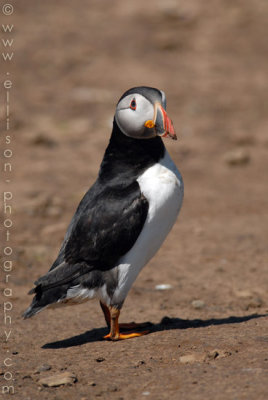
(133, 104)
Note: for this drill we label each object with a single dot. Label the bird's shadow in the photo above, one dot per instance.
(166, 323)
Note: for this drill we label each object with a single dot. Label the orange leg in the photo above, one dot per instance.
(111, 315)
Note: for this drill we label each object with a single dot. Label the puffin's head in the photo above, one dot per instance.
(140, 114)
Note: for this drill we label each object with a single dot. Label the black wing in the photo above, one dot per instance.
(106, 226)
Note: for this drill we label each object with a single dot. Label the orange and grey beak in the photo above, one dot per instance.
(162, 124)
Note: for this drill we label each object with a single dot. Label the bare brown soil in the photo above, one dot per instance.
(73, 59)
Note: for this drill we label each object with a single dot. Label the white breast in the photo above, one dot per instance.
(162, 186)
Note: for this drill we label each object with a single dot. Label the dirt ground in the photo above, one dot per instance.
(72, 61)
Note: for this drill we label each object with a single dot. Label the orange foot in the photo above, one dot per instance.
(122, 336)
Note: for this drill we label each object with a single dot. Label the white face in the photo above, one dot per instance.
(131, 114)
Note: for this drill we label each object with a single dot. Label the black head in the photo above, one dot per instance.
(140, 113)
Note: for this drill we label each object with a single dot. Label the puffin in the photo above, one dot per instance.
(123, 219)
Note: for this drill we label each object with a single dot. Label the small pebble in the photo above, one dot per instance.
(237, 157)
(198, 304)
(100, 359)
(212, 355)
(216, 354)
(64, 378)
(191, 358)
(139, 363)
(44, 367)
(163, 286)
(27, 377)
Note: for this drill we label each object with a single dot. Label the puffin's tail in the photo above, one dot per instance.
(44, 297)
(52, 287)
(33, 309)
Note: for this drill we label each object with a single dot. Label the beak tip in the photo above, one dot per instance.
(163, 124)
